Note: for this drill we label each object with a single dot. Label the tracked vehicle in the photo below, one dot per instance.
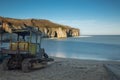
(25, 54)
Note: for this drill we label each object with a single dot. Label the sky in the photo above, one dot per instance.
(92, 17)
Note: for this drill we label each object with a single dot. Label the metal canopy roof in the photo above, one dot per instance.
(23, 32)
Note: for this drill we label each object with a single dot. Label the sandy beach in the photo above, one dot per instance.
(63, 69)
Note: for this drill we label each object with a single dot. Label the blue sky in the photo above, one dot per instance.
(98, 17)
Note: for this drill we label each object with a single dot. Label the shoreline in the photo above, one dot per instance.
(63, 69)
(85, 59)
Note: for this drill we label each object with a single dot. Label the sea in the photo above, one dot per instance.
(91, 47)
(94, 47)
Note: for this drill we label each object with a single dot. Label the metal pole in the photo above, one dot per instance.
(30, 36)
(1, 28)
(36, 38)
(1, 55)
(1, 39)
(1, 35)
(37, 35)
(30, 41)
(40, 47)
(40, 41)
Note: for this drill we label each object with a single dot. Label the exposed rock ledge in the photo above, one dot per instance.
(47, 27)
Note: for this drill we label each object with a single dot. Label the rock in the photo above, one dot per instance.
(48, 28)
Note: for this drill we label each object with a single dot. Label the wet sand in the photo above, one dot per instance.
(63, 69)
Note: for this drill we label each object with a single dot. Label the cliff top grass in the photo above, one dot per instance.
(40, 23)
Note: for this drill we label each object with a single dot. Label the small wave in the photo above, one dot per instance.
(84, 36)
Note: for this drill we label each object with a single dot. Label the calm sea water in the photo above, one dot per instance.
(85, 47)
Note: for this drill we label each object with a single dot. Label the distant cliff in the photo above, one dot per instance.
(47, 27)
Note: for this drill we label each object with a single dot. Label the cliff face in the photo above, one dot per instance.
(48, 28)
